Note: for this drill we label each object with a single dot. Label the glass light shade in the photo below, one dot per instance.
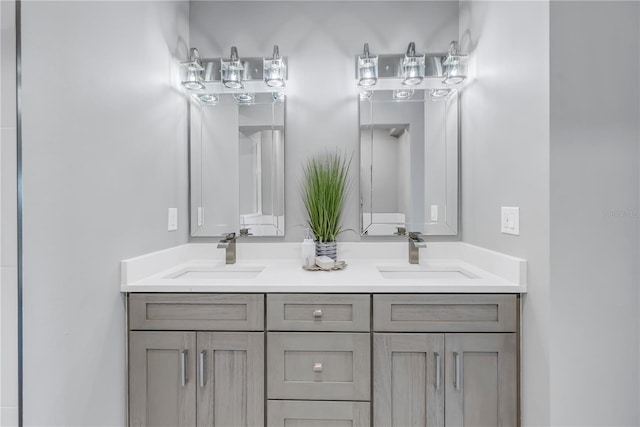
(436, 94)
(365, 95)
(412, 69)
(231, 73)
(367, 70)
(401, 94)
(192, 81)
(274, 72)
(206, 98)
(279, 96)
(244, 98)
(455, 66)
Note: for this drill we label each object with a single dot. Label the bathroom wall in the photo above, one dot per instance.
(105, 155)
(8, 220)
(595, 275)
(321, 40)
(505, 162)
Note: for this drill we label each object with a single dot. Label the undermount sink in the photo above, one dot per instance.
(413, 272)
(226, 271)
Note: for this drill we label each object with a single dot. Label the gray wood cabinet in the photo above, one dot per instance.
(408, 381)
(201, 377)
(288, 413)
(460, 370)
(162, 387)
(230, 379)
(481, 380)
(431, 360)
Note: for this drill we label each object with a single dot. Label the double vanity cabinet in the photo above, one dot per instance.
(323, 360)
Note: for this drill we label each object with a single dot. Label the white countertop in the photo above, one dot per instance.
(489, 271)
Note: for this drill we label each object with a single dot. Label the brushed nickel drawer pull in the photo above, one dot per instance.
(317, 367)
(457, 366)
(438, 370)
(183, 368)
(202, 356)
(317, 314)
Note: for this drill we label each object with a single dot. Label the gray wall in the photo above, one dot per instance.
(595, 105)
(321, 39)
(105, 155)
(505, 162)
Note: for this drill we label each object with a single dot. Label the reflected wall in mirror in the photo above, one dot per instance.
(409, 162)
(237, 166)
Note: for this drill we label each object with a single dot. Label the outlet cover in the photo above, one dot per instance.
(173, 219)
(510, 220)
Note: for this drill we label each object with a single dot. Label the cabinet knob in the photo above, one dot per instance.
(317, 313)
(317, 367)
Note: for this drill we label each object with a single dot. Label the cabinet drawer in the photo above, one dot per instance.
(315, 312)
(214, 312)
(445, 313)
(318, 366)
(291, 413)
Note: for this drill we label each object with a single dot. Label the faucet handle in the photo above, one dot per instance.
(415, 235)
(229, 236)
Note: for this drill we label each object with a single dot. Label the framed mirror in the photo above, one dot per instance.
(409, 162)
(237, 165)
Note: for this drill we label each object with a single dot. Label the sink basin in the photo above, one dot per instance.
(227, 271)
(413, 272)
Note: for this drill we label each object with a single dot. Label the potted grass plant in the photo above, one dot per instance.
(325, 187)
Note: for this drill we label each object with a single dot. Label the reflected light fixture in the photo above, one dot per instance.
(436, 94)
(194, 71)
(454, 65)
(403, 94)
(231, 70)
(244, 98)
(275, 69)
(367, 68)
(278, 96)
(206, 98)
(365, 95)
(412, 66)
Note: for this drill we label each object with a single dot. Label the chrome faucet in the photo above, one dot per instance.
(415, 243)
(229, 245)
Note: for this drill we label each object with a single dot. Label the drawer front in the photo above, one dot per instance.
(315, 312)
(212, 312)
(319, 366)
(291, 413)
(445, 313)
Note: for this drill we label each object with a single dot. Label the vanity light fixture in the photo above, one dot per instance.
(275, 69)
(412, 66)
(194, 71)
(367, 68)
(231, 70)
(402, 94)
(206, 98)
(454, 65)
(244, 97)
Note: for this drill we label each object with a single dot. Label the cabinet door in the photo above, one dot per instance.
(291, 413)
(162, 374)
(481, 378)
(231, 379)
(408, 386)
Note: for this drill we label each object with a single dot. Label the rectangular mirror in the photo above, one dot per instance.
(409, 162)
(237, 166)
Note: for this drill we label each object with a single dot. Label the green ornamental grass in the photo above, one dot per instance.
(326, 183)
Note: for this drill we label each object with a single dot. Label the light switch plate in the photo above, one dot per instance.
(173, 219)
(510, 220)
(434, 213)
